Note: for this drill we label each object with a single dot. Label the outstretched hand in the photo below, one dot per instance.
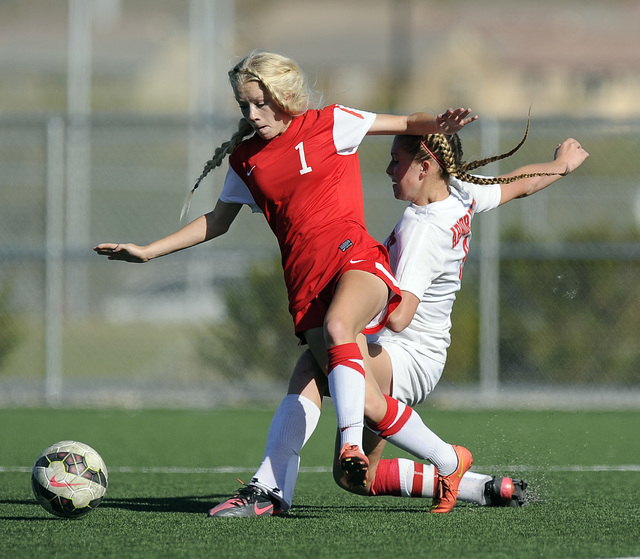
(452, 120)
(571, 153)
(127, 252)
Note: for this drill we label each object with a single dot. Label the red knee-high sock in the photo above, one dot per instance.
(403, 478)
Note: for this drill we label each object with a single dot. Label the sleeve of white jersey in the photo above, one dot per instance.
(350, 126)
(419, 259)
(487, 196)
(235, 191)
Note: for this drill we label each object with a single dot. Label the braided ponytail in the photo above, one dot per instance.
(244, 130)
(287, 85)
(446, 150)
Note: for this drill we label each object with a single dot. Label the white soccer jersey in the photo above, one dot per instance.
(427, 250)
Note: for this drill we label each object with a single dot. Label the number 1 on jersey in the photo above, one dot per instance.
(303, 161)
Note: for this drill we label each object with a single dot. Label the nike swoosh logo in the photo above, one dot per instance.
(260, 511)
(356, 261)
(461, 466)
(251, 170)
(56, 483)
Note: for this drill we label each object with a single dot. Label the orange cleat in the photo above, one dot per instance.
(446, 489)
(354, 464)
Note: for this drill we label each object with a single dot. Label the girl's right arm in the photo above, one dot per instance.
(204, 228)
(419, 124)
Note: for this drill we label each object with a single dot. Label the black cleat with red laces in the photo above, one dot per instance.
(505, 492)
(248, 501)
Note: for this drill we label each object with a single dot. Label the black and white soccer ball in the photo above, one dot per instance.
(69, 479)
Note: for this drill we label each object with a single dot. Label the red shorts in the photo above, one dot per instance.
(376, 262)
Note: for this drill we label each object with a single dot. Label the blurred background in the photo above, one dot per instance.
(110, 108)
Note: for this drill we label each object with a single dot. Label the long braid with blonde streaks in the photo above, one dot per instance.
(285, 82)
(244, 130)
(446, 150)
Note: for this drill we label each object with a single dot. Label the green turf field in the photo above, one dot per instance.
(168, 467)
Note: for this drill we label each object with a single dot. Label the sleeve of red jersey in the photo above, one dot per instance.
(350, 126)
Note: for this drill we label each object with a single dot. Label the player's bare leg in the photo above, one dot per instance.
(359, 296)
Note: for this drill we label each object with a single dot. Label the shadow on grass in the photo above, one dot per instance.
(190, 503)
(201, 504)
(33, 505)
(300, 512)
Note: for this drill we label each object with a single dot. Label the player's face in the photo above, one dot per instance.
(259, 108)
(404, 173)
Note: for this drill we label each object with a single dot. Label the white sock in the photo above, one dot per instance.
(471, 488)
(347, 389)
(293, 423)
(416, 479)
(403, 427)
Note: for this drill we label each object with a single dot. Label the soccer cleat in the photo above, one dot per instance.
(248, 501)
(354, 464)
(505, 492)
(445, 493)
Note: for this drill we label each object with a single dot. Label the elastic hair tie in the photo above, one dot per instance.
(432, 155)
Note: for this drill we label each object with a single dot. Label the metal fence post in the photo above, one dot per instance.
(54, 259)
(489, 275)
(78, 136)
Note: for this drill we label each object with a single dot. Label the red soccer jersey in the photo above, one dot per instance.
(307, 183)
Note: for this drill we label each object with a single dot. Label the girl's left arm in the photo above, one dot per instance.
(403, 314)
(569, 155)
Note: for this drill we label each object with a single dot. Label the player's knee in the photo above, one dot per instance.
(337, 330)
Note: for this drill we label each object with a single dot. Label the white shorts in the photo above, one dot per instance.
(415, 374)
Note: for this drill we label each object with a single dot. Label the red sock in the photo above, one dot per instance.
(404, 478)
(348, 355)
(392, 422)
(387, 480)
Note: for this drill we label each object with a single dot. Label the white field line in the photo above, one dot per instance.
(323, 469)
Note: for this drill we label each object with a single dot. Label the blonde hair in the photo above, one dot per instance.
(287, 85)
(446, 151)
(282, 78)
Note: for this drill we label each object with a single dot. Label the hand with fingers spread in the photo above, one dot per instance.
(453, 120)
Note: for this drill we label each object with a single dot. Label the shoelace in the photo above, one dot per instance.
(246, 493)
(443, 487)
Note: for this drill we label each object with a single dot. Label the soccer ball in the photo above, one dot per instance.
(69, 479)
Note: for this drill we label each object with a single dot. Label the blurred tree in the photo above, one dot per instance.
(9, 328)
(256, 340)
(570, 320)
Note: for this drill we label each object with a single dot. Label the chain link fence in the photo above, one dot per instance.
(549, 311)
